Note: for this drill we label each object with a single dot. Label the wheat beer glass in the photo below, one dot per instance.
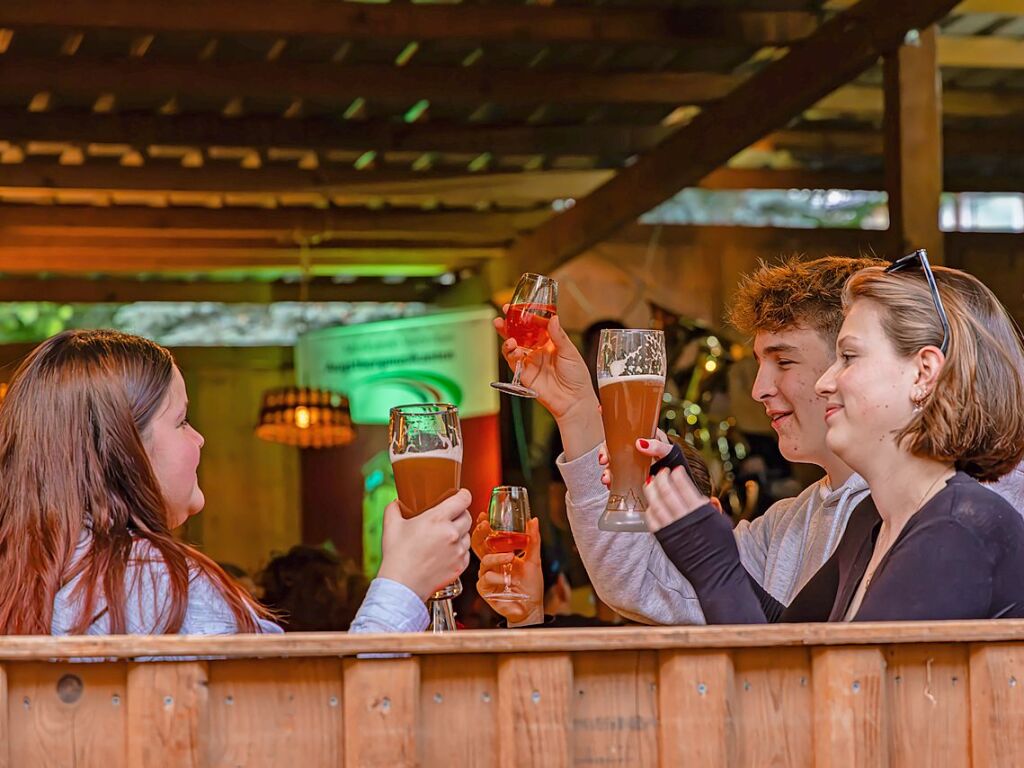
(425, 445)
(534, 303)
(508, 515)
(630, 381)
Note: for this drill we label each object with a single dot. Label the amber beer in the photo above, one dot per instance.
(629, 408)
(424, 480)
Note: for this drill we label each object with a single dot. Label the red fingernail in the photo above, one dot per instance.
(644, 444)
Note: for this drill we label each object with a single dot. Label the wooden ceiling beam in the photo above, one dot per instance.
(321, 134)
(146, 78)
(841, 49)
(88, 259)
(107, 290)
(343, 184)
(800, 178)
(839, 142)
(864, 100)
(230, 222)
(359, 21)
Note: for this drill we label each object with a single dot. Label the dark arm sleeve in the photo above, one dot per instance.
(941, 570)
(703, 548)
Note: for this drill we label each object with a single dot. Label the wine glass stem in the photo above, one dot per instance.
(518, 371)
(507, 570)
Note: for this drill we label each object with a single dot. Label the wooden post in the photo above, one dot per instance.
(913, 145)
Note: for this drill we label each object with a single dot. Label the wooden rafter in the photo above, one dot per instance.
(144, 78)
(342, 184)
(144, 130)
(230, 222)
(109, 290)
(841, 49)
(360, 21)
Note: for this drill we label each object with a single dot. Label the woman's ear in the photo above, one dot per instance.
(714, 501)
(929, 363)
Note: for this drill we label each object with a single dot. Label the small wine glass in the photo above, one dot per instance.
(508, 515)
(534, 303)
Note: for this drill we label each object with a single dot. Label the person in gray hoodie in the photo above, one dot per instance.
(793, 312)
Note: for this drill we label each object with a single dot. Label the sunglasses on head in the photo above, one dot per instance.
(920, 258)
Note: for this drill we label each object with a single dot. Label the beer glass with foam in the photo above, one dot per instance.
(425, 445)
(631, 382)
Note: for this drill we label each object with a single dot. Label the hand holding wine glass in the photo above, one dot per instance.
(507, 518)
(534, 303)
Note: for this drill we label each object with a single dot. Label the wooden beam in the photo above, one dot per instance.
(122, 291)
(837, 142)
(321, 134)
(841, 49)
(149, 79)
(913, 145)
(864, 100)
(802, 178)
(338, 182)
(231, 222)
(87, 258)
(359, 21)
(982, 52)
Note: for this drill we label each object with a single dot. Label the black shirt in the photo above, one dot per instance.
(961, 556)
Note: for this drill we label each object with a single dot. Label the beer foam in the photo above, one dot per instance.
(641, 377)
(452, 454)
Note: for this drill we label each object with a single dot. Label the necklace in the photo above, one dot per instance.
(927, 495)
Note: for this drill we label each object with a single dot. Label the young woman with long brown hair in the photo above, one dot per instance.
(98, 465)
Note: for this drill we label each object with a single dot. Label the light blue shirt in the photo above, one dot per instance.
(388, 606)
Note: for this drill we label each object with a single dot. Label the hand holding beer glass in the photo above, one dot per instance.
(425, 446)
(534, 303)
(507, 517)
(631, 381)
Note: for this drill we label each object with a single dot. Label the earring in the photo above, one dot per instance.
(917, 398)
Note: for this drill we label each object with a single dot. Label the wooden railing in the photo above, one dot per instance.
(920, 694)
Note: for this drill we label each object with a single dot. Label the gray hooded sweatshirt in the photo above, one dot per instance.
(781, 549)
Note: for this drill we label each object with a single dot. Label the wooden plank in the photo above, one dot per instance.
(142, 78)
(535, 711)
(321, 134)
(696, 710)
(997, 704)
(359, 22)
(850, 707)
(866, 101)
(454, 187)
(842, 47)
(66, 714)
(311, 644)
(228, 222)
(773, 708)
(167, 714)
(382, 702)
(986, 52)
(956, 142)
(615, 709)
(274, 712)
(122, 291)
(458, 710)
(913, 146)
(5, 734)
(928, 692)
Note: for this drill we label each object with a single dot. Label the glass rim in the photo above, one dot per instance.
(537, 275)
(498, 488)
(427, 408)
(625, 331)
